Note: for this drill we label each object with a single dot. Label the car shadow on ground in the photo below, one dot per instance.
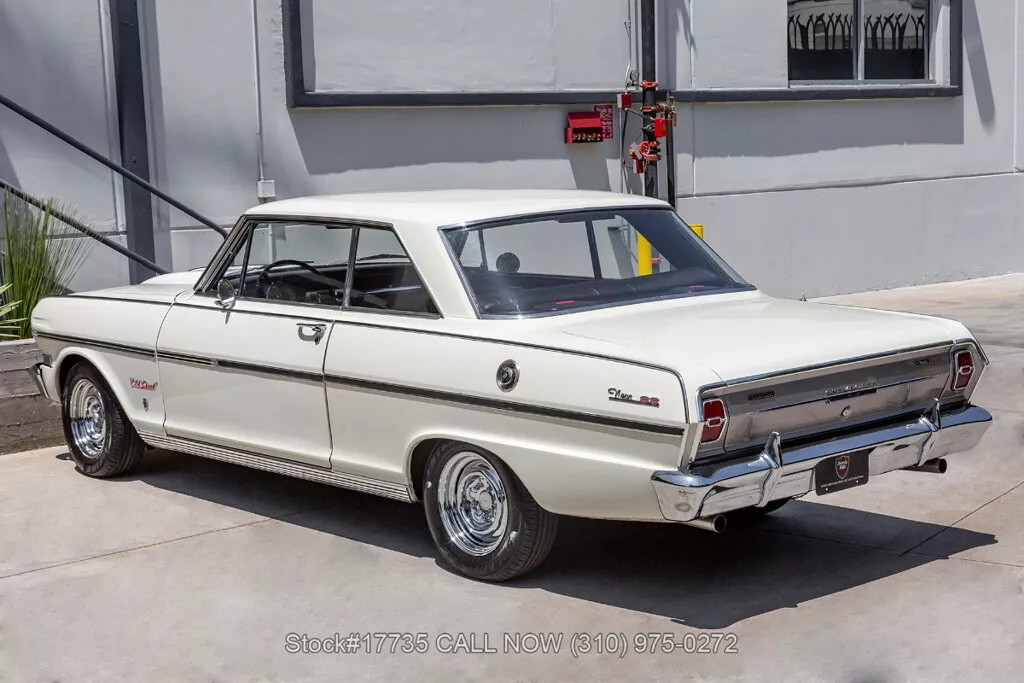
(691, 576)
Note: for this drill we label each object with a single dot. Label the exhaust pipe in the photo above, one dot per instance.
(715, 524)
(935, 467)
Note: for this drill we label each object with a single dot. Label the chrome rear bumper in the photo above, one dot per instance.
(707, 490)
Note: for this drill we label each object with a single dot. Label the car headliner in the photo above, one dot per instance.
(434, 208)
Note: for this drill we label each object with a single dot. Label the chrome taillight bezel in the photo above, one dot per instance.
(717, 423)
(963, 373)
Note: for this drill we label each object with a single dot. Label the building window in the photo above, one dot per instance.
(859, 40)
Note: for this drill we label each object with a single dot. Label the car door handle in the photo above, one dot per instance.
(313, 332)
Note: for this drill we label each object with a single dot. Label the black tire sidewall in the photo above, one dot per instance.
(494, 563)
(112, 415)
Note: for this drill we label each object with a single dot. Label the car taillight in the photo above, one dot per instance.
(714, 420)
(963, 368)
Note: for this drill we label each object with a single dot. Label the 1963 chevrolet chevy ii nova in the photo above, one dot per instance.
(502, 358)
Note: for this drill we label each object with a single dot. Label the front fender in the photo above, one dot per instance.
(144, 408)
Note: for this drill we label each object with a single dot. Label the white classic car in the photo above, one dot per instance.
(504, 358)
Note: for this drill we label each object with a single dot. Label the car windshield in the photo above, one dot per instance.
(550, 264)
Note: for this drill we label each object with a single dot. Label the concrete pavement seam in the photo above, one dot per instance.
(968, 559)
(154, 544)
(890, 551)
(982, 507)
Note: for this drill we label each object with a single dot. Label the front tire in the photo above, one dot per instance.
(484, 522)
(102, 441)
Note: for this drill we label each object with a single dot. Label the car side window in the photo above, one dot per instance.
(384, 277)
(292, 262)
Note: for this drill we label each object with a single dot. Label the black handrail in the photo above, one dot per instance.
(84, 149)
(79, 226)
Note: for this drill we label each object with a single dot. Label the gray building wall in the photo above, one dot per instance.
(801, 197)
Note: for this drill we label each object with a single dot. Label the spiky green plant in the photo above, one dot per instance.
(8, 327)
(37, 259)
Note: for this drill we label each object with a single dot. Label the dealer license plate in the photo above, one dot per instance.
(842, 472)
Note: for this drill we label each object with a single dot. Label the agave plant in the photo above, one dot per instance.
(8, 328)
(37, 260)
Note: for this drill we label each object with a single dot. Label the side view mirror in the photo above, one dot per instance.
(225, 294)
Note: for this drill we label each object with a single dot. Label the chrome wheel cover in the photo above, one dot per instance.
(88, 418)
(472, 502)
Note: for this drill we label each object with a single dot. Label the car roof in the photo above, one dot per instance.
(433, 208)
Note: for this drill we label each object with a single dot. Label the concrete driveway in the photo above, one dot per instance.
(195, 570)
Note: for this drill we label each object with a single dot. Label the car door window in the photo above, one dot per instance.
(289, 262)
(384, 277)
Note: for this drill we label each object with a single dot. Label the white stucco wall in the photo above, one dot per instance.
(802, 197)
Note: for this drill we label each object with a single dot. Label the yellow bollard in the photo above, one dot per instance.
(698, 228)
(643, 256)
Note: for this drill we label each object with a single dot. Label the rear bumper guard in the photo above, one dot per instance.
(774, 474)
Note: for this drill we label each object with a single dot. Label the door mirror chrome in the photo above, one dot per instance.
(225, 294)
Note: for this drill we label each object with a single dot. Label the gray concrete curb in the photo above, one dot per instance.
(27, 419)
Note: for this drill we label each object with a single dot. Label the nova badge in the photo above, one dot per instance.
(843, 466)
(142, 385)
(622, 397)
(867, 386)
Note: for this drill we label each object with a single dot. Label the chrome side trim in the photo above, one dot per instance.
(253, 368)
(538, 347)
(127, 300)
(186, 358)
(510, 406)
(320, 475)
(203, 360)
(433, 394)
(107, 346)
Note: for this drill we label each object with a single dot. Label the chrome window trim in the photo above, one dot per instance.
(247, 223)
(412, 262)
(216, 266)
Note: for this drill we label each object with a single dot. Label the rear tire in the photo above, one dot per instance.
(484, 522)
(102, 441)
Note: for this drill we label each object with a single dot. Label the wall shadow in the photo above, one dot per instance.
(346, 139)
(689, 576)
(974, 55)
(6, 167)
(799, 128)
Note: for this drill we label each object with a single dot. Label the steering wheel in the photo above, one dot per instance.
(264, 279)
